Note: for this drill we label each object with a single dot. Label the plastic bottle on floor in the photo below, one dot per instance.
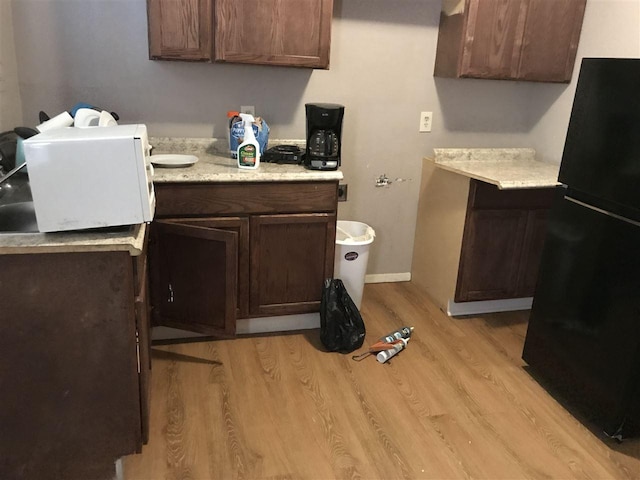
(404, 332)
(387, 354)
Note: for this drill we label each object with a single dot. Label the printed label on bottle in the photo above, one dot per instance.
(351, 256)
(247, 156)
(237, 130)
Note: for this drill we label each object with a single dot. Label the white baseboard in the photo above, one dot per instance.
(489, 306)
(247, 326)
(387, 277)
(281, 323)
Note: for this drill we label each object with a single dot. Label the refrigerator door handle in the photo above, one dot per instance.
(600, 210)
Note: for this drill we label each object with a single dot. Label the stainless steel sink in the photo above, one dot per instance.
(18, 218)
(17, 214)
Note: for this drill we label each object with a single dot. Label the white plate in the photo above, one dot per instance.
(173, 160)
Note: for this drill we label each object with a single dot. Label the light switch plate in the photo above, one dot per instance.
(250, 109)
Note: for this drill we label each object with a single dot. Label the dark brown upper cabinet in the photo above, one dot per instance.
(269, 32)
(180, 29)
(533, 40)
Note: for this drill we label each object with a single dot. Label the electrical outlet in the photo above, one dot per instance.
(342, 192)
(250, 109)
(425, 121)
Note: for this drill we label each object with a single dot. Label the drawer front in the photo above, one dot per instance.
(182, 199)
(486, 196)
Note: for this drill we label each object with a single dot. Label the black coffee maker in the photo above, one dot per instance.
(324, 136)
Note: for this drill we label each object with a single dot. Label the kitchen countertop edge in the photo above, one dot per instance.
(214, 165)
(507, 168)
(131, 241)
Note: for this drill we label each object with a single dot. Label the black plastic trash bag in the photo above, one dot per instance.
(341, 325)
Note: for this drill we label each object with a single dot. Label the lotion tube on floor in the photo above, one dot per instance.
(404, 332)
(387, 354)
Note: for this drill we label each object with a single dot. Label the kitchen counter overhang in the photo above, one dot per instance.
(127, 239)
(507, 168)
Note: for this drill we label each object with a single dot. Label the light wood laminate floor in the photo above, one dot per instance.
(456, 403)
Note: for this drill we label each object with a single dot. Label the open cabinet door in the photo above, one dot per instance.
(194, 280)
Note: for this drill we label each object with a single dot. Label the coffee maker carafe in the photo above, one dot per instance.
(324, 136)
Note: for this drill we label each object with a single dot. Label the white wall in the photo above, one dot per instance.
(10, 106)
(611, 28)
(382, 57)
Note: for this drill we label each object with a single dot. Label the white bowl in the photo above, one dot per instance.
(86, 117)
(106, 119)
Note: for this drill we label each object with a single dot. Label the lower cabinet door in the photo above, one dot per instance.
(240, 225)
(532, 252)
(194, 277)
(491, 252)
(291, 255)
(144, 350)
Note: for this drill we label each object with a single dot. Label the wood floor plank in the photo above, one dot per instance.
(456, 403)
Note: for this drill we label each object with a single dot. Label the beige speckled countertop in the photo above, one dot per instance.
(128, 239)
(215, 165)
(507, 168)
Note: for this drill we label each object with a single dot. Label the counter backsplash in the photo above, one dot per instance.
(210, 146)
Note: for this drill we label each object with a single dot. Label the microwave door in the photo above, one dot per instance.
(145, 177)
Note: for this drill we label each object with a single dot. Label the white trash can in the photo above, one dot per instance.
(352, 254)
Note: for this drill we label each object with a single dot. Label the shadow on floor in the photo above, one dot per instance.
(158, 354)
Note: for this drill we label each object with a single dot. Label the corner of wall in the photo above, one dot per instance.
(10, 103)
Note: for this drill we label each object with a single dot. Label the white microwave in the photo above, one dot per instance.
(90, 177)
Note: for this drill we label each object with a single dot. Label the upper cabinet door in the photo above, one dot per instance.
(493, 38)
(533, 40)
(550, 39)
(274, 32)
(180, 29)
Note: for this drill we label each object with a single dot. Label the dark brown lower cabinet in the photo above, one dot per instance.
(237, 250)
(197, 267)
(532, 251)
(75, 366)
(502, 242)
(490, 258)
(291, 256)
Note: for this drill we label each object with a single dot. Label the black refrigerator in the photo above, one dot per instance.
(583, 339)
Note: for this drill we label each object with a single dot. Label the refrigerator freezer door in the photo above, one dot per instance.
(602, 150)
(584, 328)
